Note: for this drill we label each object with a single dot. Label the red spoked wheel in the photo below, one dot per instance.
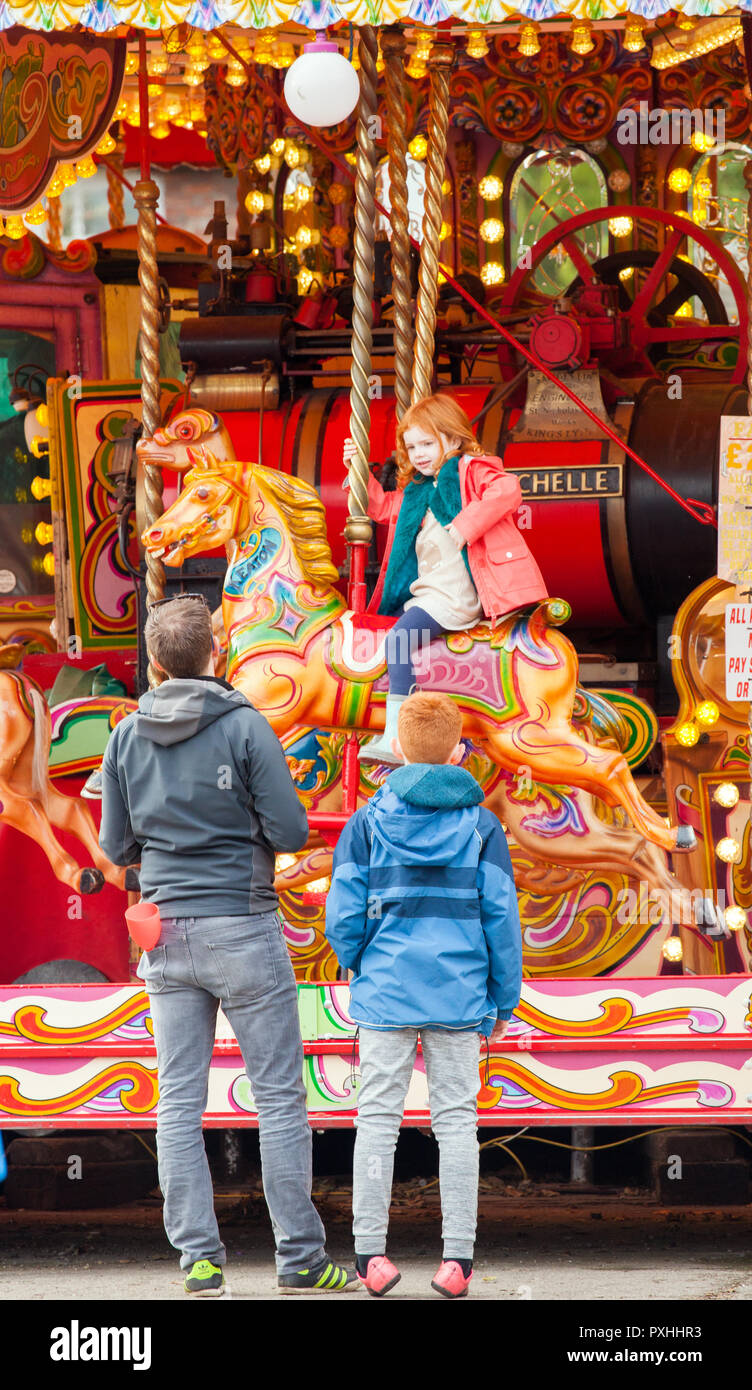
(663, 282)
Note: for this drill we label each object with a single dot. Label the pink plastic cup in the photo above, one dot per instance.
(144, 924)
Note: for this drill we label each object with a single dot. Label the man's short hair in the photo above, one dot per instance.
(179, 636)
(429, 727)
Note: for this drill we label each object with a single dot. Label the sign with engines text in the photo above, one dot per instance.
(735, 503)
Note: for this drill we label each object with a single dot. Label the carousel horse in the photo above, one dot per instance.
(28, 799)
(299, 656)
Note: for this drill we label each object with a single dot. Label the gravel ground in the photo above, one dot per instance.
(542, 1246)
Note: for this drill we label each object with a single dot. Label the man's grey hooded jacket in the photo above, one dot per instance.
(195, 785)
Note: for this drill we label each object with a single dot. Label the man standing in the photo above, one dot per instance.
(196, 788)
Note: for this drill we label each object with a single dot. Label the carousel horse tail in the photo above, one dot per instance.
(40, 762)
(605, 720)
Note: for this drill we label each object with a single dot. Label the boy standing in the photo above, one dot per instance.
(423, 910)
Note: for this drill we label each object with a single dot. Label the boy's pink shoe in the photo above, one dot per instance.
(380, 1276)
(450, 1281)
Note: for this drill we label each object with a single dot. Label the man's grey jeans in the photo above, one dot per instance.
(243, 963)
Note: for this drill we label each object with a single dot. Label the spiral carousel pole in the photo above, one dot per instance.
(358, 527)
(392, 49)
(441, 59)
(145, 196)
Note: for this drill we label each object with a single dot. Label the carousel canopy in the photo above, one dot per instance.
(102, 16)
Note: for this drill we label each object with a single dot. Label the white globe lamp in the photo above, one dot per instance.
(321, 87)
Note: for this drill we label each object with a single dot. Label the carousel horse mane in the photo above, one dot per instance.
(305, 519)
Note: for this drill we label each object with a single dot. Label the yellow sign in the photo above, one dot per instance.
(735, 501)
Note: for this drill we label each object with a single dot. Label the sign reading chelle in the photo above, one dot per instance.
(551, 483)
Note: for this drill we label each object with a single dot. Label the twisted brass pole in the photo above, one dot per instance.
(54, 224)
(393, 48)
(441, 61)
(358, 527)
(145, 195)
(115, 206)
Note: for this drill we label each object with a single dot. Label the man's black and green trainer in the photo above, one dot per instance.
(205, 1279)
(327, 1277)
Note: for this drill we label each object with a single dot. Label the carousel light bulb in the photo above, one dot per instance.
(131, 63)
(729, 850)
(255, 202)
(445, 231)
(351, 157)
(283, 56)
(687, 735)
(679, 180)
(707, 713)
(86, 168)
(305, 279)
(67, 175)
(491, 230)
(43, 533)
(121, 110)
(626, 273)
(292, 155)
(55, 187)
(106, 145)
(235, 75)
(40, 446)
(48, 563)
(529, 43)
(701, 142)
(672, 949)
(727, 794)
(490, 188)
(160, 130)
(263, 163)
(196, 53)
(477, 45)
(337, 193)
(735, 918)
(321, 87)
(193, 77)
(14, 228)
(277, 146)
(304, 194)
(215, 49)
(36, 215)
(634, 33)
(41, 488)
(307, 236)
(418, 147)
(492, 273)
(684, 311)
(43, 416)
(620, 226)
(582, 37)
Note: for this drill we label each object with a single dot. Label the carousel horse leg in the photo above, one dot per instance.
(68, 813)
(602, 772)
(25, 813)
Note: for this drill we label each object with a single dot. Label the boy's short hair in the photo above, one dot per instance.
(429, 727)
(179, 636)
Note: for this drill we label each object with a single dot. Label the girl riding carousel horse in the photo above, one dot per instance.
(454, 554)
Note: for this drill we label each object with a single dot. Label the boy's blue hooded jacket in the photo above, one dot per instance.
(423, 907)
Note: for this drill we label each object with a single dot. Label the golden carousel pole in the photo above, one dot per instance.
(392, 49)
(358, 527)
(441, 59)
(146, 195)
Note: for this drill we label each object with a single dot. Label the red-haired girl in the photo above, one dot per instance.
(454, 553)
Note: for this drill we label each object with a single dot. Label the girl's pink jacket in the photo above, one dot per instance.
(505, 573)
